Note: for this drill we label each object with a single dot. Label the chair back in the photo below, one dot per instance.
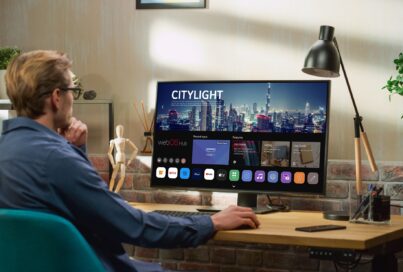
(42, 242)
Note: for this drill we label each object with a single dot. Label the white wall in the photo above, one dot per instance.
(121, 52)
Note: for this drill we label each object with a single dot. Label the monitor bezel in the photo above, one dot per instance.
(214, 189)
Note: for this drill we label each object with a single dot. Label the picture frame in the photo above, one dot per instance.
(170, 4)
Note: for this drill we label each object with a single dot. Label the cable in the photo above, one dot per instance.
(336, 267)
(348, 265)
(269, 199)
(277, 207)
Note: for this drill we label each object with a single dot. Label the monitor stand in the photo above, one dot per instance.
(250, 200)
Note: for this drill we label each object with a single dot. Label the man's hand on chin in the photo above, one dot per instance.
(76, 133)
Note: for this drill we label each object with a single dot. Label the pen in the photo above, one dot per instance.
(364, 204)
(364, 209)
(378, 191)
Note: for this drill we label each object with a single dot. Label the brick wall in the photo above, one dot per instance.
(220, 256)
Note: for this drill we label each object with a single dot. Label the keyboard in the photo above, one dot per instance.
(182, 213)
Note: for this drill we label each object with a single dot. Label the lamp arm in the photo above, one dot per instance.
(358, 118)
(348, 85)
(368, 150)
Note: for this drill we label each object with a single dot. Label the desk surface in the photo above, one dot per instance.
(279, 228)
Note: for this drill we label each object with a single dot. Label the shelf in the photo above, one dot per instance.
(95, 101)
(5, 104)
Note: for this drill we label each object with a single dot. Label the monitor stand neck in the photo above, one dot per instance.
(250, 200)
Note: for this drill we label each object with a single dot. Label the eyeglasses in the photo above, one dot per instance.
(76, 92)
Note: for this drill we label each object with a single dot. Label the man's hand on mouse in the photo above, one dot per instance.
(234, 217)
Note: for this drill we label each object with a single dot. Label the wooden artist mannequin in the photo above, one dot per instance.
(119, 163)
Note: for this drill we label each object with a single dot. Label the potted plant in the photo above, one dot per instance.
(395, 85)
(6, 54)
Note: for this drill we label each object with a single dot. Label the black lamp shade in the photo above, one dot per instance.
(323, 59)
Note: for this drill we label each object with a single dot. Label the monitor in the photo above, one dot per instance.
(248, 137)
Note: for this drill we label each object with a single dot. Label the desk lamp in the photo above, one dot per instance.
(324, 60)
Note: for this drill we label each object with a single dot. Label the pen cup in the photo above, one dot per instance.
(374, 209)
(381, 208)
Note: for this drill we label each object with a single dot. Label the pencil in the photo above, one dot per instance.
(141, 120)
(144, 114)
(151, 124)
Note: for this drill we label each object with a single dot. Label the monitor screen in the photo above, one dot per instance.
(241, 136)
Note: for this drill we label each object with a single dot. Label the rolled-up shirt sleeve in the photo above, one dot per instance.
(83, 197)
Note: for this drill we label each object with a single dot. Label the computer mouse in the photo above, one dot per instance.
(241, 227)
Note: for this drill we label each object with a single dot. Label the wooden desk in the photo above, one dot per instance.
(279, 228)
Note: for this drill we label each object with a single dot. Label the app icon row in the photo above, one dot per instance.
(171, 160)
(235, 175)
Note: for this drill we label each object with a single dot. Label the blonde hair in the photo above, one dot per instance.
(31, 76)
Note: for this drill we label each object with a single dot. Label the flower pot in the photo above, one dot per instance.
(3, 93)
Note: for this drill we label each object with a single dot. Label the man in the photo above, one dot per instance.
(43, 167)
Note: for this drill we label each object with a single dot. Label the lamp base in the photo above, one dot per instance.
(336, 215)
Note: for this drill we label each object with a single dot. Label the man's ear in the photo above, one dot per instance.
(55, 99)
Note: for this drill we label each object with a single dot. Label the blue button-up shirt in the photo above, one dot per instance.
(40, 170)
